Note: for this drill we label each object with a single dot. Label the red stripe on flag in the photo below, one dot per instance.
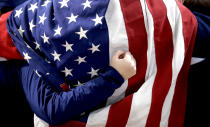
(137, 37)
(119, 112)
(176, 118)
(164, 54)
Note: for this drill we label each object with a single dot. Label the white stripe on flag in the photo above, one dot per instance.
(142, 98)
(3, 59)
(118, 94)
(175, 20)
(98, 118)
(117, 40)
(39, 123)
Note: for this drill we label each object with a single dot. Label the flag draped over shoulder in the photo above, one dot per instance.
(71, 40)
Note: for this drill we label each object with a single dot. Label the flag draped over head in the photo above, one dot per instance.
(62, 39)
(70, 41)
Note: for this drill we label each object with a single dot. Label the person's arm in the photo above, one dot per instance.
(57, 107)
(50, 105)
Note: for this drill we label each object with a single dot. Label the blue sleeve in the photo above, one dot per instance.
(57, 107)
(202, 42)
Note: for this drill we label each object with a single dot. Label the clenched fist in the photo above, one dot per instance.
(124, 63)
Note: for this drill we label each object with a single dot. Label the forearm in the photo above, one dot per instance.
(57, 107)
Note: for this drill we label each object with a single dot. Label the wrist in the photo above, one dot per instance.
(113, 75)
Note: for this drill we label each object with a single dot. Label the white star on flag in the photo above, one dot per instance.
(46, 3)
(26, 56)
(67, 72)
(45, 38)
(73, 18)
(18, 12)
(56, 56)
(98, 19)
(42, 19)
(80, 60)
(82, 33)
(33, 7)
(37, 45)
(64, 3)
(86, 4)
(31, 25)
(21, 31)
(58, 31)
(93, 72)
(68, 46)
(94, 48)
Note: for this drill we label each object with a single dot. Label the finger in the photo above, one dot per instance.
(119, 54)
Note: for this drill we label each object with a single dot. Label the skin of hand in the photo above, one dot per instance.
(124, 63)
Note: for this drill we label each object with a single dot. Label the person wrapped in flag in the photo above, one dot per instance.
(138, 40)
(63, 106)
(72, 59)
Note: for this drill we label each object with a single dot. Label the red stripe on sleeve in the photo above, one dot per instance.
(8, 50)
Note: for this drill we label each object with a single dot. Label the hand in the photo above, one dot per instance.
(124, 63)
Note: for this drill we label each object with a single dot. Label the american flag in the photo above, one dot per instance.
(72, 40)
